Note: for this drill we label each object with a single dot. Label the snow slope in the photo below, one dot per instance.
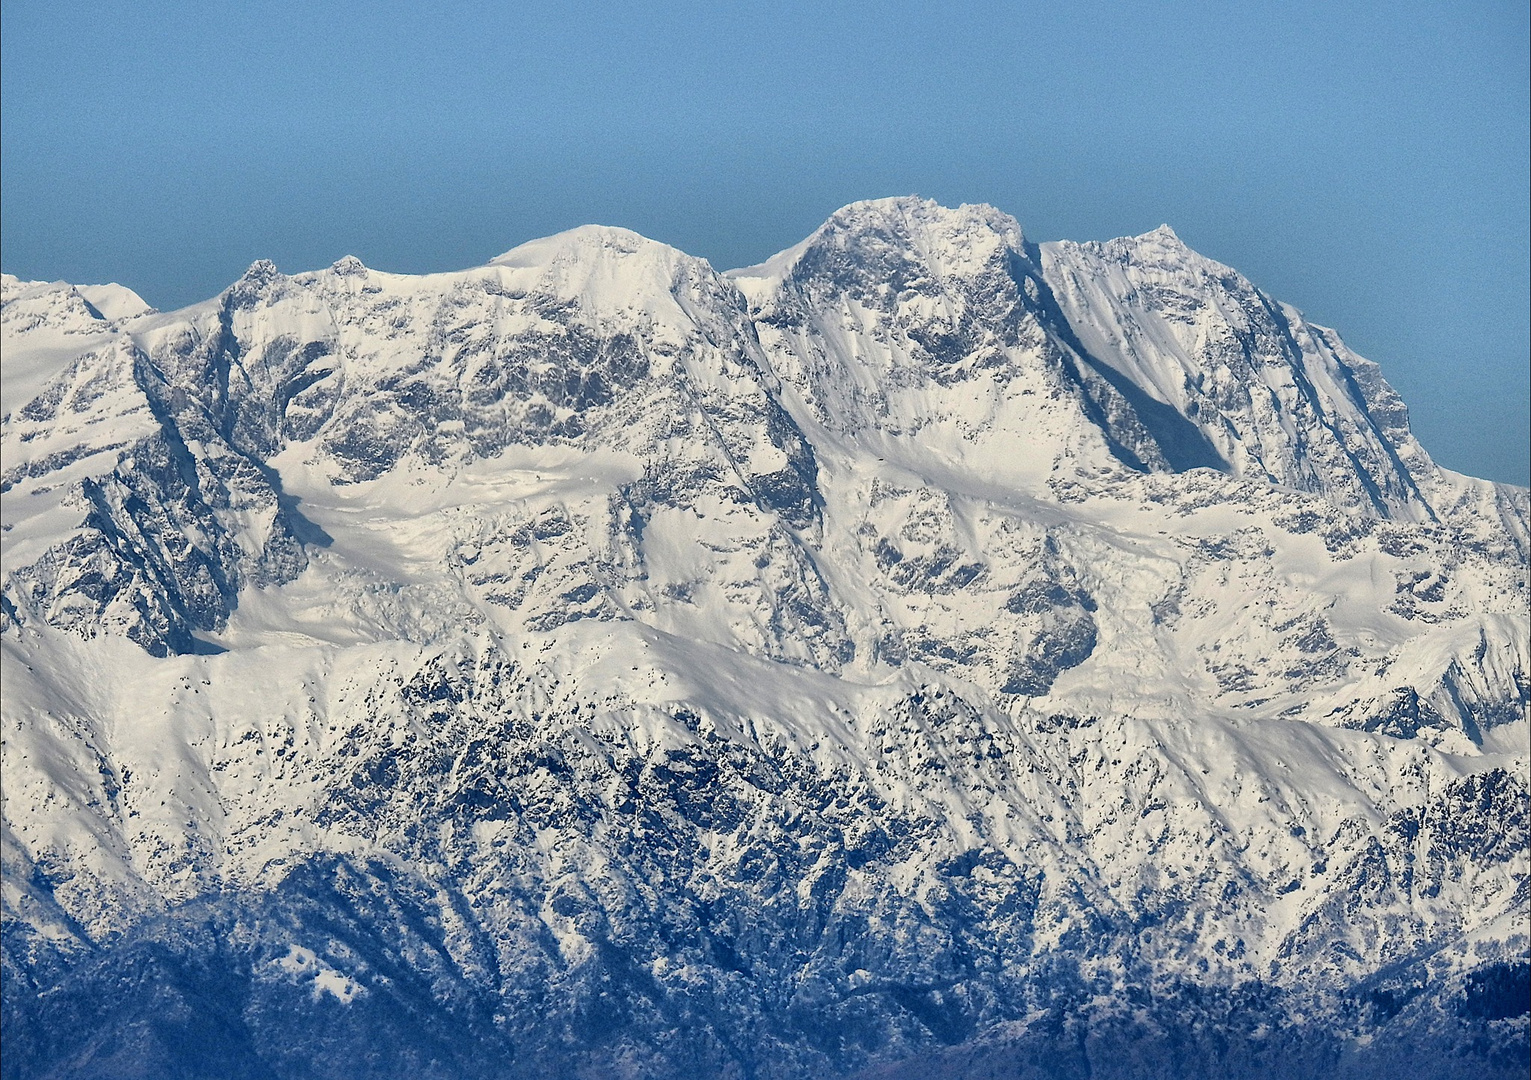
(591, 664)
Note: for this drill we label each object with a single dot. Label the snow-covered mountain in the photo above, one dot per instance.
(926, 653)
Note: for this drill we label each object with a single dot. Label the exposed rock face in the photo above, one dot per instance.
(927, 653)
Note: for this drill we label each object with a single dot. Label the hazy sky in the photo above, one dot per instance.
(1364, 161)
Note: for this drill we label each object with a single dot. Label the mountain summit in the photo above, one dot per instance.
(926, 653)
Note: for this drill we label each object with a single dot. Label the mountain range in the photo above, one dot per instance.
(926, 653)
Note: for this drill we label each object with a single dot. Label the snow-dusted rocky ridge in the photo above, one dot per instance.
(928, 653)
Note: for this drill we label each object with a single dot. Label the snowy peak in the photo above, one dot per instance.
(622, 361)
(1163, 242)
(47, 326)
(115, 302)
(101, 303)
(883, 237)
(615, 272)
(1278, 398)
(901, 317)
(1173, 361)
(590, 244)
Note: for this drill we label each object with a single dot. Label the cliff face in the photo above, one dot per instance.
(925, 651)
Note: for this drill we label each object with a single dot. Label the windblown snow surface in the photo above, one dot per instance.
(925, 654)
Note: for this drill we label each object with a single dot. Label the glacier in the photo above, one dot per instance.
(926, 653)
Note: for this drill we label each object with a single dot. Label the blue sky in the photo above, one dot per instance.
(1364, 161)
